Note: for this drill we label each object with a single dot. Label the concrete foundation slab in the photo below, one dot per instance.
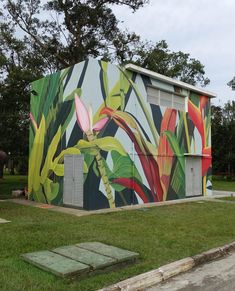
(56, 264)
(119, 254)
(73, 260)
(96, 261)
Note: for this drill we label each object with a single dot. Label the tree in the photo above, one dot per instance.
(73, 30)
(3, 159)
(37, 39)
(31, 46)
(18, 67)
(223, 138)
(158, 58)
(232, 83)
(229, 124)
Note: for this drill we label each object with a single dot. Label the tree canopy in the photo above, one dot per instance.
(223, 138)
(158, 58)
(40, 37)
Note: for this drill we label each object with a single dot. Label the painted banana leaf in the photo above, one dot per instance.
(53, 112)
(114, 97)
(144, 150)
(178, 174)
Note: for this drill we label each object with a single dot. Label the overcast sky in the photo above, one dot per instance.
(203, 28)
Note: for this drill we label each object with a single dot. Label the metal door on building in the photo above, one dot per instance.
(193, 175)
(73, 180)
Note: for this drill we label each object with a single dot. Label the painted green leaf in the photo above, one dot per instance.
(95, 169)
(59, 170)
(175, 146)
(178, 180)
(36, 157)
(110, 144)
(68, 151)
(88, 159)
(151, 148)
(77, 91)
(38, 195)
(51, 93)
(107, 144)
(50, 154)
(51, 189)
(47, 186)
(143, 104)
(87, 147)
(178, 176)
(104, 66)
(123, 166)
(116, 97)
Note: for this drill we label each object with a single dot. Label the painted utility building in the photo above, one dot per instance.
(105, 136)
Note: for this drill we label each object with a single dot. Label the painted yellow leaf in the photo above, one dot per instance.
(50, 154)
(108, 144)
(68, 151)
(35, 158)
(51, 189)
(59, 170)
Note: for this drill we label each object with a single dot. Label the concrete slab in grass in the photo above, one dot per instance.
(96, 261)
(4, 221)
(56, 264)
(119, 254)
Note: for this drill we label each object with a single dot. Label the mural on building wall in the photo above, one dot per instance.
(127, 160)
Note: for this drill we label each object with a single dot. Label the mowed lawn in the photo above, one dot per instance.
(14, 182)
(11, 182)
(231, 198)
(161, 235)
(223, 185)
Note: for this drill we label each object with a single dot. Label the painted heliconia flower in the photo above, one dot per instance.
(85, 118)
(165, 153)
(147, 159)
(196, 115)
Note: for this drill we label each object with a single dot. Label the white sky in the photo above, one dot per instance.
(203, 28)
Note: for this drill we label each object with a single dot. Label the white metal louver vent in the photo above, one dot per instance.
(164, 98)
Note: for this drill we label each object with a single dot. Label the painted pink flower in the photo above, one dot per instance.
(85, 119)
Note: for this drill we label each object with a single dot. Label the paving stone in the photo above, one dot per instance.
(96, 261)
(56, 264)
(111, 251)
(4, 220)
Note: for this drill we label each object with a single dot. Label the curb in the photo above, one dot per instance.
(165, 272)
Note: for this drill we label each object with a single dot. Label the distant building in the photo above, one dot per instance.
(232, 83)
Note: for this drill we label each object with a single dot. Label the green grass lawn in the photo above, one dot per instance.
(161, 235)
(223, 185)
(227, 198)
(9, 183)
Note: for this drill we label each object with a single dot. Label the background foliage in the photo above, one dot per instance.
(223, 139)
(38, 38)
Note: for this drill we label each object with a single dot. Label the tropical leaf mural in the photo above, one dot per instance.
(50, 115)
(88, 109)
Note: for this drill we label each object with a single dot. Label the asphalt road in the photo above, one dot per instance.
(217, 275)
